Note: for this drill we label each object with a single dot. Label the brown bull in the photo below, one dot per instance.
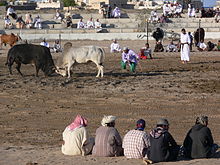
(10, 39)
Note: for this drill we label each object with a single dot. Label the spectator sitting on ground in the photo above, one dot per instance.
(108, 142)
(145, 52)
(218, 45)
(98, 24)
(217, 15)
(203, 13)
(11, 12)
(28, 21)
(191, 11)
(59, 16)
(116, 13)
(44, 43)
(178, 10)
(198, 13)
(75, 138)
(163, 19)
(8, 24)
(57, 47)
(154, 17)
(199, 141)
(171, 47)
(163, 147)
(210, 46)
(201, 46)
(166, 10)
(80, 24)
(68, 21)
(67, 14)
(115, 47)
(158, 47)
(37, 22)
(172, 10)
(136, 142)
(20, 23)
(90, 24)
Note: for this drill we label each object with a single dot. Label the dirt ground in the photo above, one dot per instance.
(34, 111)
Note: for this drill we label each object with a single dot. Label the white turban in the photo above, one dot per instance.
(107, 119)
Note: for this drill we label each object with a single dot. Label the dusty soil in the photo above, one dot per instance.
(34, 111)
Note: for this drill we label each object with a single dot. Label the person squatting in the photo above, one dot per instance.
(156, 146)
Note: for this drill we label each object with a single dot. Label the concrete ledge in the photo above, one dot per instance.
(100, 36)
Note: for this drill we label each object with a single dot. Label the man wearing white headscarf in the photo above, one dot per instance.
(108, 142)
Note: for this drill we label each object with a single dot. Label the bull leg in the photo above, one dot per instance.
(68, 71)
(18, 68)
(9, 68)
(99, 69)
(102, 72)
(37, 70)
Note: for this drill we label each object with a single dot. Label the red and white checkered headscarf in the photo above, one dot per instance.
(78, 122)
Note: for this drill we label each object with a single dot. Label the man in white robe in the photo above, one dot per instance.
(80, 24)
(115, 47)
(185, 49)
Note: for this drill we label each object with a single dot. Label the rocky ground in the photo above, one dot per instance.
(34, 111)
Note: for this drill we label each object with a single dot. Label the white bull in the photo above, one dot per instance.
(81, 55)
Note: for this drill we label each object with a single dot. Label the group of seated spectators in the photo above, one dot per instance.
(156, 146)
(28, 23)
(172, 9)
(201, 46)
(90, 24)
(155, 18)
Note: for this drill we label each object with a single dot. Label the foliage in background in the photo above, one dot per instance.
(3, 3)
(68, 3)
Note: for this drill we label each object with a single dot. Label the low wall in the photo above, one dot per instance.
(87, 36)
(101, 36)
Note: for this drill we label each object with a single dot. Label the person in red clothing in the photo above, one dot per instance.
(145, 52)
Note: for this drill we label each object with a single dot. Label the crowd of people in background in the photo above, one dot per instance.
(158, 145)
(107, 12)
(90, 24)
(20, 23)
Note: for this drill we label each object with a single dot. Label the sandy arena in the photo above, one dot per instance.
(35, 111)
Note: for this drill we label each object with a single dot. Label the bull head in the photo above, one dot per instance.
(61, 71)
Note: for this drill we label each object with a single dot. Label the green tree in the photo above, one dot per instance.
(68, 3)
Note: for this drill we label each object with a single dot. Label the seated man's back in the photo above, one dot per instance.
(136, 142)
(163, 147)
(199, 142)
(107, 141)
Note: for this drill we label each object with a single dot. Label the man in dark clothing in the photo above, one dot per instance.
(158, 47)
(199, 142)
(163, 147)
(158, 34)
(210, 46)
